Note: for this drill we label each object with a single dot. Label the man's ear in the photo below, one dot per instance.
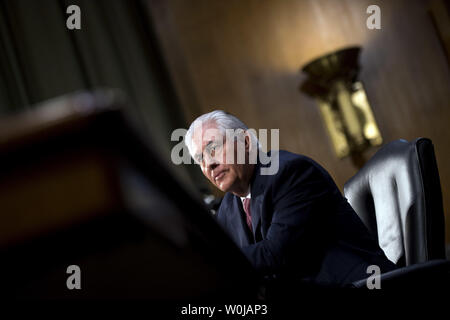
(247, 139)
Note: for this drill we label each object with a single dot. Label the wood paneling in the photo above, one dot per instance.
(245, 56)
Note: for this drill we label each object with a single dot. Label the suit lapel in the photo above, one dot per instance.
(257, 193)
(255, 207)
(239, 223)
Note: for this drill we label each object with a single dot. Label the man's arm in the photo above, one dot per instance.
(301, 192)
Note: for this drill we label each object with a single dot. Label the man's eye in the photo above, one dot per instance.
(213, 150)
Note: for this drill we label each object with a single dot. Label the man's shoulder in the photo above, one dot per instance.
(293, 161)
(228, 199)
(226, 205)
(289, 157)
(296, 168)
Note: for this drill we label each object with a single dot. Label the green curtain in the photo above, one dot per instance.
(115, 48)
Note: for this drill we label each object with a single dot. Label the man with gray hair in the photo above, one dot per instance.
(291, 223)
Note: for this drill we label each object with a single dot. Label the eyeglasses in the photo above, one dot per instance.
(212, 149)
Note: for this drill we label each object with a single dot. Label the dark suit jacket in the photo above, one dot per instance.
(303, 228)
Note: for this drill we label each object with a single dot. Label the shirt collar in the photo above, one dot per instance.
(248, 196)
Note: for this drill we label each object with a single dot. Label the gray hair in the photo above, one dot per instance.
(223, 120)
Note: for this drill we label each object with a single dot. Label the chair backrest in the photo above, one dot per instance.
(397, 194)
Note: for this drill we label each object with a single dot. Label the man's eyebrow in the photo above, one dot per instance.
(198, 154)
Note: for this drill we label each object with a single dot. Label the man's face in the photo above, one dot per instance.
(210, 149)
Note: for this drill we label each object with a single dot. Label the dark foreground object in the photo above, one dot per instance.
(80, 186)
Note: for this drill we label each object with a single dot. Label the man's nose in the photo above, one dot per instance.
(212, 166)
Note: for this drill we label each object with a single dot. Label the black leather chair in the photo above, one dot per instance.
(397, 195)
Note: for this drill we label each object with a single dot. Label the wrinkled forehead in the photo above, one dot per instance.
(205, 133)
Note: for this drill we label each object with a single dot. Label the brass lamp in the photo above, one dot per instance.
(332, 81)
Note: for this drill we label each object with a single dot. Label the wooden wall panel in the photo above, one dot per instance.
(244, 56)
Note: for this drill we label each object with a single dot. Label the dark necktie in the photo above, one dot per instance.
(248, 212)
